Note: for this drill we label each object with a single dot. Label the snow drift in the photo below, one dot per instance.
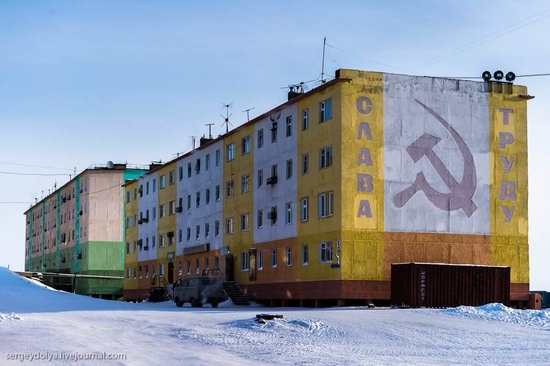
(502, 313)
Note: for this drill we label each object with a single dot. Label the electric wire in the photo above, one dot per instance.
(36, 174)
(33, 166)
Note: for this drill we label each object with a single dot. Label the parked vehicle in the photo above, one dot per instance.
(199, 291)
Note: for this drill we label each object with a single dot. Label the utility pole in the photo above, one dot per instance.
(323, 64)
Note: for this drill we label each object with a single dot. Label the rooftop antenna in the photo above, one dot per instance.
(193, 138)
(209, 129)
(248, 113)
(323, 64)
(226, 117)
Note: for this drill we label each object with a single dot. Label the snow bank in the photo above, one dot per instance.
(22, 295)
(499, 312)
(10, 316)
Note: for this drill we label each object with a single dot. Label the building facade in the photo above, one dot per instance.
(79, 229)
(313, 200)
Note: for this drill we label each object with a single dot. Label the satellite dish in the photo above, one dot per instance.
(486, 75)
(510, 76)
(499, 75)
(110, 164)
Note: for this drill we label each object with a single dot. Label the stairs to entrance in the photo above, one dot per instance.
(235, 293)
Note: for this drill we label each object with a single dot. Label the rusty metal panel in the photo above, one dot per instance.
(437, 285)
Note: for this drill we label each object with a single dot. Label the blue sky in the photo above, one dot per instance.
(83, 82)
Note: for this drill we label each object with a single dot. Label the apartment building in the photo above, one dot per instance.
(78, 228)
(313, 200)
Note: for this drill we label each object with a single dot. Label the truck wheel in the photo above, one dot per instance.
(179, 303)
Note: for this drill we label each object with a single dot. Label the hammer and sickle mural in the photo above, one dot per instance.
(460, 193)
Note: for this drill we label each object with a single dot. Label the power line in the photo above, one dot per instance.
(15, 202)
(38, 174)
(486, 38)
(33, 166)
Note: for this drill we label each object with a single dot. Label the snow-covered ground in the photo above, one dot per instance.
(36, 321)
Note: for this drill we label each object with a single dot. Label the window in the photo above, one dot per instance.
(288, 256)
(229, 188)
(189, 170)
(244, 183)
(288, 212)
(147, 188)
(244, 261)
(324, 207)
(272, 215)
(245, 222)
(260, 137)
(162, 182)
(305, 254)
(198, 166)
(154, 213)
(230, 152)
(206, 265)
(153, 241)
(180, 173)
(162, 213)
(180, 235)
(188, 267)
(260, 178)
(207, 162)
(218, 157)
(172, 208)
(207, 198)
(305, 164)
(207, 230)
(305, 119)
(127, 248)
(289, 169)
(216, 263)
(161, 270)
(154, 184)
(127, 273)
(229, 225)
(325, 157)
(260, 218)
(325, 110)
(274, 258)
(197, 267)
(217, 228)
(188, 201)
(197, 232)
(273, 132)
(326, 252)
(245, 145)
(218, 193)
(260, 259)
(146, 271)
(197, 199)
(188, 234)
(161, 241)
(180, 269)
(288, 126)
(304, 209)
(171, 177)
(128, 197)
(274, 170)
(180, 203)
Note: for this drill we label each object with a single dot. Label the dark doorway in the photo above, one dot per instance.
(229, 275)
(170, 272)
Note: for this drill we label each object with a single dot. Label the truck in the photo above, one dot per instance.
(199, 291)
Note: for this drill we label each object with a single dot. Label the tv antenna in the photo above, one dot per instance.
(323, 63)
(226, 117)
(193, 139)
(248, 113)
(209, 129)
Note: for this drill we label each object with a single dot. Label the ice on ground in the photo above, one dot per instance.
(502, 313)
(10, 316)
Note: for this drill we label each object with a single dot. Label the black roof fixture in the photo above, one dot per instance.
(498, 76)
